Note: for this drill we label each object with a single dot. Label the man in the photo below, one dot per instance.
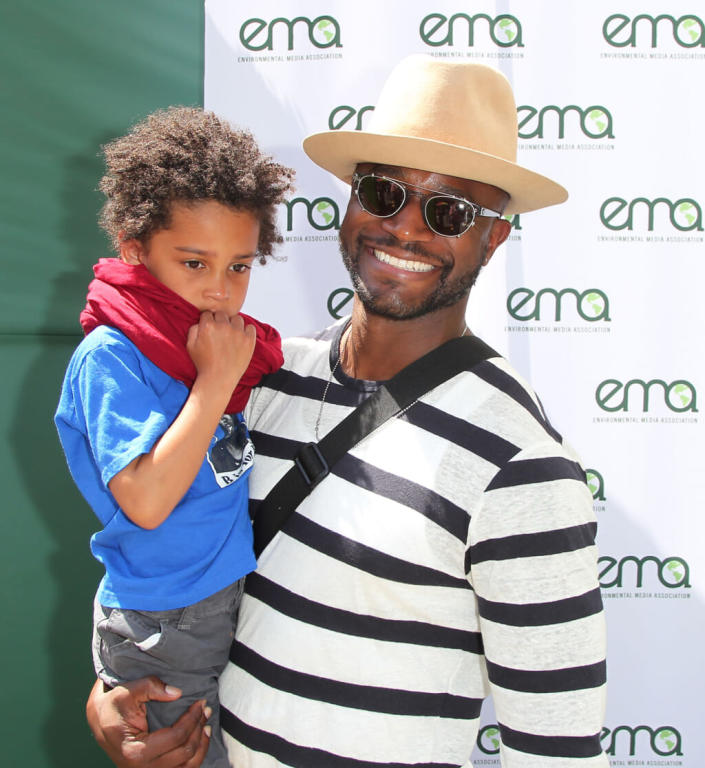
(450, 554)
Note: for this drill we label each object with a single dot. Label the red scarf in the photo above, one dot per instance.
(157, 320)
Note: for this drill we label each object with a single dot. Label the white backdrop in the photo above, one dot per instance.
(597, 301)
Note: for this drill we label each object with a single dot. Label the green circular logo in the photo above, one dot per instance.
(593, 482)
(685, 215)
(323, 32)
(593, 304)
(680, 396)
(689, 29)
(596, 122)
(509, 29)
(493, 733)
(322, 214)
(665, 741)
(488, 740)
(675, 569)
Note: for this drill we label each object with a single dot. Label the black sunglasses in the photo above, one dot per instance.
(446, 215)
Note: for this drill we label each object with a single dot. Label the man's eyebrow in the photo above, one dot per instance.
(204, 252)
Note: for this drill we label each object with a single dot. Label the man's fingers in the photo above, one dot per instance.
(200, 751)
(197, 743)
(151, 689)
(172, 747)
(182, 743)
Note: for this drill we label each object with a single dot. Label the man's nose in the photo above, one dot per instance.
(409, 224)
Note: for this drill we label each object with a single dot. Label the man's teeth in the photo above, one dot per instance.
(406, 264)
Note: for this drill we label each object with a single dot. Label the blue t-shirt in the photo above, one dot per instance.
(115, 404)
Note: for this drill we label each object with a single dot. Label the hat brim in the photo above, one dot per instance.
(340, 151)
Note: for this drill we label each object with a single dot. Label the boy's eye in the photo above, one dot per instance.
(241, 267)
(193, 264)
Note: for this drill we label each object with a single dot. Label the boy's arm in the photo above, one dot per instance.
(151, 485)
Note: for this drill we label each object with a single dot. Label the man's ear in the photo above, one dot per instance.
(498, 234)
(131, 251)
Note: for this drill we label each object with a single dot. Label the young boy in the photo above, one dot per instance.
(190, 206)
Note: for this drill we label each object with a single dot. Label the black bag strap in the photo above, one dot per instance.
(314, 460)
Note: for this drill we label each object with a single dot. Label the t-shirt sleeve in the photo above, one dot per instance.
(534, 572)
(121, 414)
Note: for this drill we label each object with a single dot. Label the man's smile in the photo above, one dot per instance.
(408, 265)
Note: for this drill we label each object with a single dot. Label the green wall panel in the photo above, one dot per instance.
(76, 73)
(47, 573)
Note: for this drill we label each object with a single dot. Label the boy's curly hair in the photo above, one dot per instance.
(183, 154)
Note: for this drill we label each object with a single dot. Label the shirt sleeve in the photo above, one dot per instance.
(532, 562)
(122, 415)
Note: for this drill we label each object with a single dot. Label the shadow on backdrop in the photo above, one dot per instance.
(66, 516)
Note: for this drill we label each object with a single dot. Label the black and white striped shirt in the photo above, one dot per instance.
(450, 555)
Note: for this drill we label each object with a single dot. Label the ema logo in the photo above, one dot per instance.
(437, 30)
(322, 213)
(678, 396)
(684, 214)
(595, 122)
(620, 31)
(672, 573)
(488, 740)
(342, 115)
(664, 741)
(258, 35)
(596, 484)
(515, 221)
(592, 304)
(338, 301)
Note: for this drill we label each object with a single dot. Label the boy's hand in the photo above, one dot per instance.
(221, 349)
(118, 720)
(152, 484)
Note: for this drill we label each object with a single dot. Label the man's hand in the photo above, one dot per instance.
(221, 348)
(118, 719)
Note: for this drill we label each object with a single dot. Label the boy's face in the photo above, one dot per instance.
(205, 254)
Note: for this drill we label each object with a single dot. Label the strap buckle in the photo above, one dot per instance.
(311, 464)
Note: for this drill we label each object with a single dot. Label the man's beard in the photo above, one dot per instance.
(447, 293)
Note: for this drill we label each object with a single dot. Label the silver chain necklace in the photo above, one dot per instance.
(341, 346)
(328, 383)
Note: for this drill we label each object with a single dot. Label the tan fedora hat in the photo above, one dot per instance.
(454, 118)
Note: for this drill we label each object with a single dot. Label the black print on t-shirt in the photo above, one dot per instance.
(233, 454)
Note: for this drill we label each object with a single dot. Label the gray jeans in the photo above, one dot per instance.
(186, 647)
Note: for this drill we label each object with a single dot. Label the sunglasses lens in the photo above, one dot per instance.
(380, 197)
(449, 217)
